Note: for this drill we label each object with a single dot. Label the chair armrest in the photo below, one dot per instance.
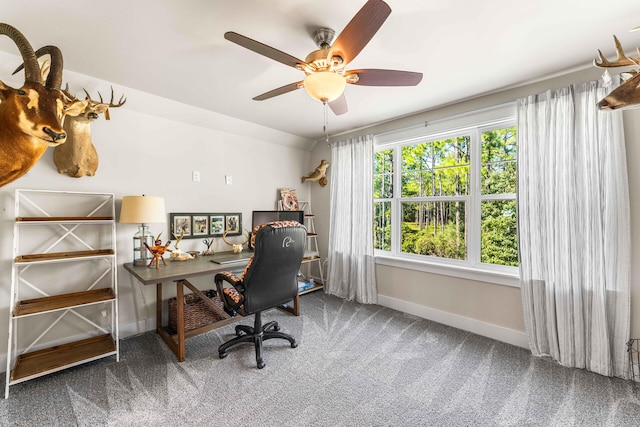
(231, 297)
(229, 277)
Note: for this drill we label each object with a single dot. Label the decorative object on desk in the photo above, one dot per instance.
(178, 254)
(289, 199)
(319, 174)
(209, 250)
(200, 225)
(142, 210)
(237, 247)
(158, 250)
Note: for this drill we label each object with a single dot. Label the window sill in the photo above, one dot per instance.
(498, 277)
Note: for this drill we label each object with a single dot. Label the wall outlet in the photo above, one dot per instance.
(228, 180)
(195, 176)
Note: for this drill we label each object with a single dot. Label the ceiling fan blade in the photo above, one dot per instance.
(339, 105)
(263, 49)
(279, 91)
(360, 30)
(376, 77)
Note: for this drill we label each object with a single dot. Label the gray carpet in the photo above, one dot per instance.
(356, 365)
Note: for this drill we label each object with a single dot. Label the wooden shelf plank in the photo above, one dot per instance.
(63, 255)
(63, 218)
(317, 287)
(57, 302)
(42, 362)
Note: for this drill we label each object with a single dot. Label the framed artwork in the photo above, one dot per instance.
(200, 225)
(289, 199)
(216, 223)
(233, 223)
(180, 222)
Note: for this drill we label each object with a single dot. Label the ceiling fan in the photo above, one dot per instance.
(326, 76)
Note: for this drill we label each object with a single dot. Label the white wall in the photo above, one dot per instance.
(151, 146)
(489, 309)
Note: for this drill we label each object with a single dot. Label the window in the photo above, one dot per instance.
(449, 198)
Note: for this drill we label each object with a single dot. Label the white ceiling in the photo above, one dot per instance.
(465, 48)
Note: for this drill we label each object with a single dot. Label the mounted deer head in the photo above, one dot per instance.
(31, 116)
(78, 157)
(628, 93)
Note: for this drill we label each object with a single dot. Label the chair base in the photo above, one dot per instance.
(256, 334)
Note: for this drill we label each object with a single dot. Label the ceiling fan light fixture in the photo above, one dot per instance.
(324, 86)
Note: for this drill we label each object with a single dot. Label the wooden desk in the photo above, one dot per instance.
(179, 272)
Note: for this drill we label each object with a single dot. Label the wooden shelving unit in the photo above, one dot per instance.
(87, 276)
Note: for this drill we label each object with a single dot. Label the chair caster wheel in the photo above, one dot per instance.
(222, 355)
(294, 344)
(260, 365)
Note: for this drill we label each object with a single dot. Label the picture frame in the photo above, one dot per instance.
(180, 222)
(205, 224)
(216, 225)
(233, 223)
(200, 225)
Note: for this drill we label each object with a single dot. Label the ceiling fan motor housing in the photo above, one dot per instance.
(323, 37)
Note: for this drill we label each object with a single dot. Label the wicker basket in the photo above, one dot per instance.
(197, 313)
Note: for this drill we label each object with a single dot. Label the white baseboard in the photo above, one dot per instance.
(500, 333)
(130, 329)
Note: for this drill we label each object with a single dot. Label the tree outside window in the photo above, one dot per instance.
(452, 203)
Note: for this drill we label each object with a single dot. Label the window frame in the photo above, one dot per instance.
(471, 268)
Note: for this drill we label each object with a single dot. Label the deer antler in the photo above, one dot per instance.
(621, 61)
(178, 239)
(237, 247)
(109, 105)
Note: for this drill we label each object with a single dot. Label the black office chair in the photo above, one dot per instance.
(269, 280)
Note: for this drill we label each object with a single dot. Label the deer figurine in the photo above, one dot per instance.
(31, 116)
(628, 93)
(78, 157)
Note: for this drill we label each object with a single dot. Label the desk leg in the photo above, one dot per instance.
(178, 348)
(180, 320)
(158, 306)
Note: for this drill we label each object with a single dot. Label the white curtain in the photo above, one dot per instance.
(351, 263)
(573, 229)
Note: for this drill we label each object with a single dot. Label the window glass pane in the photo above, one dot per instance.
(436, 168)
(499, 161)
(382, 226)
(383, 174)
(499, 243)
(434, 228)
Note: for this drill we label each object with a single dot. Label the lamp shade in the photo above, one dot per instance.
(142, 210)
(324, 86)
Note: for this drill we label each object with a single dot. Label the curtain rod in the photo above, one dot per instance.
(442, 119)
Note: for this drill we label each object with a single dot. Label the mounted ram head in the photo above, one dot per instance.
(31, 116)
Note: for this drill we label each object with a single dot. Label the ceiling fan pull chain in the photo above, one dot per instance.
(325, 128)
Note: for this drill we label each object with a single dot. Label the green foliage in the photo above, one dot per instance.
(499, 243)
(437, 169)
(425, 242)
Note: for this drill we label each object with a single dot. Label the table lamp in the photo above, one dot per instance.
(142, 210)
